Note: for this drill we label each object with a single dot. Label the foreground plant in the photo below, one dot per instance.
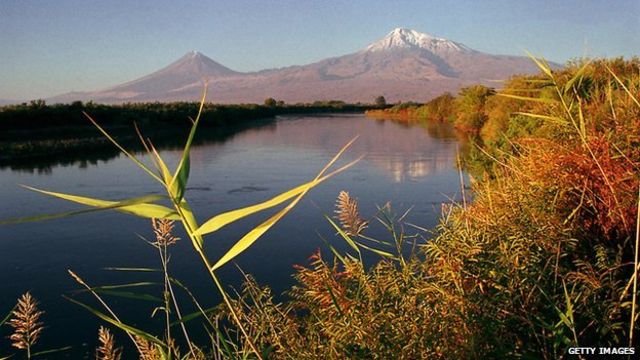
(107, 349)
(544, 259)
(26, 324)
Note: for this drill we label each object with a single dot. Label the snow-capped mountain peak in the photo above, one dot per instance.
(401, 38)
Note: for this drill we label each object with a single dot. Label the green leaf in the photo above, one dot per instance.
(130, 156)
(130, 295)
(554, 119)
(136, 206)
(220, 220)
(110, 290)
(6, 318)
(334, 251)
(577, 76)
(253, 235)
(193, 315)
(526, 98)
(131, 269)
(190, 224)
(344, 235)
(120, 286)
(129, 329)
(142, 210)
(52, 351)
(541, 64)
(377, 251)
(181, 176)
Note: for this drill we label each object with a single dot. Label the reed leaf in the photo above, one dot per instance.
(527, 98)
(6, 318)
(129, 155)
(190, 223)
(576, 77)
(122, 326)
(377, 251)
(252, 236)
(143, 209)
(180, 178)
(51, 351)
(344, 235)
(221, 220)
(542, 64)
(114, 206)
(131, 269)
(555, 119)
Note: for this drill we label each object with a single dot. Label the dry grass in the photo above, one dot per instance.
(107, 350)
(26, 323)
(347, 214)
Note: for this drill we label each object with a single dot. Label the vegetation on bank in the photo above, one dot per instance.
(35, 129)
(545, 258)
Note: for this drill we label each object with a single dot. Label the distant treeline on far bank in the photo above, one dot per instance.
(37, 114)
(37, 129)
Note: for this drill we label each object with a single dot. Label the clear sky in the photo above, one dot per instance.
(48, 47)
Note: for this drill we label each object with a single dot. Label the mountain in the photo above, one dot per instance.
(404, 65)
(9, 102)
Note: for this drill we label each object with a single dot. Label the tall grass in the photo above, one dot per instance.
(542, 260)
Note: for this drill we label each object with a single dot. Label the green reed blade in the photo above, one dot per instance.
(576, 77)
(344, 235)
(541, 64)
(143, 210)
(127, 328)
(246, 241)
(51, 351)
(122, 206)
(130, 295)
(181, 176)
(129, 155)
(527, 98)
(258, 231)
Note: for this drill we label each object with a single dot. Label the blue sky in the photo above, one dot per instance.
(50, 47)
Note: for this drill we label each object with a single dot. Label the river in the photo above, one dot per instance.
(410, 167)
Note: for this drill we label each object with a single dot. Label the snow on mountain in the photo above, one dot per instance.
(401, 38)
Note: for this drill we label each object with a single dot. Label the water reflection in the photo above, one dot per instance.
(100, 150)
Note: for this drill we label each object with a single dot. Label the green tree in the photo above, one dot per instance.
(270, 102)
(470, 107)
(380, 101)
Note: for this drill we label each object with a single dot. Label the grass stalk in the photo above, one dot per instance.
(635, 275)
(79, 280)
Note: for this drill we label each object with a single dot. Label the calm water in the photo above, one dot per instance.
(410, 167)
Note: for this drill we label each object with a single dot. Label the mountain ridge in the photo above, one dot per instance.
(404, 65)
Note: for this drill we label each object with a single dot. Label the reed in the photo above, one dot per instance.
(26, 324)
(107, 350)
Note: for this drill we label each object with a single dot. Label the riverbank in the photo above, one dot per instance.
(37, 131)
(541, 261)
